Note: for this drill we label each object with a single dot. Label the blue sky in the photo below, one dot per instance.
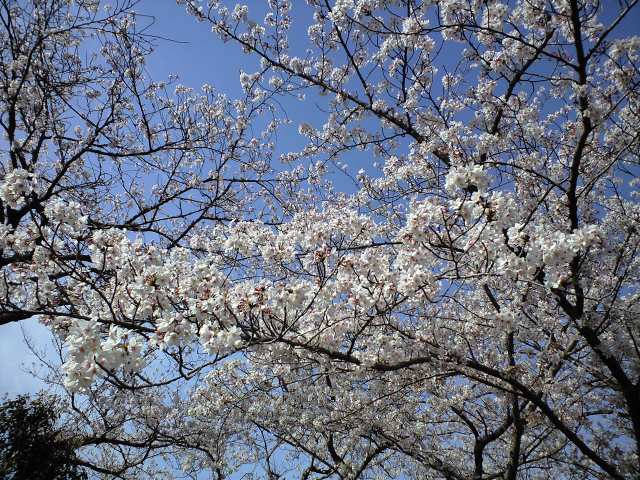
(190, 50)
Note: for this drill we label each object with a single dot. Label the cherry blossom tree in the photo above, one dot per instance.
(469, 309)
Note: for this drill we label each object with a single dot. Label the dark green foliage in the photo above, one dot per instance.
(30, 446)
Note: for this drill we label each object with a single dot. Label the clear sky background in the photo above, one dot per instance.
(189, 49)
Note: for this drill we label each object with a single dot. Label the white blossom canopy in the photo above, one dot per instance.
(469, 309)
